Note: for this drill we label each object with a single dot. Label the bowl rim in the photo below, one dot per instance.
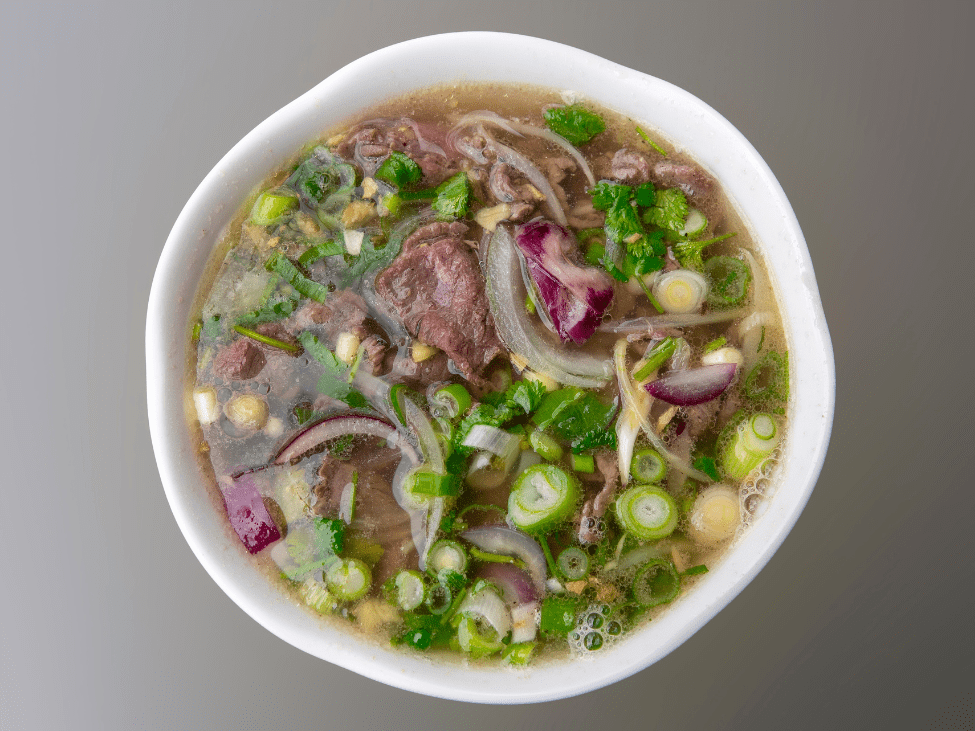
(747, 180)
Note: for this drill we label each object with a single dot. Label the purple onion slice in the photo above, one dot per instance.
(511, 542)
(248, 515)
(693, 385)
(575, 297)
(331, 427)
(516, 584)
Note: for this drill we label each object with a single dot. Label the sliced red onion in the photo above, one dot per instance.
(248, 515)
(507, 301)
(515, 584)
(693, 385)
(331, 427)
(511, 542)
(575, 297)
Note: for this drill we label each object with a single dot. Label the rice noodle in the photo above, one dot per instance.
(659, 322)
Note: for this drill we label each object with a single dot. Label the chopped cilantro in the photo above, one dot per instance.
(272, 311)
(574, 414)
(688, 253)
(669, 210)
(708, 466)
(453, 197)
(498, 408)
(399, 170)
(605, 195)
(576, 124)
(594, 439)
(333, 382)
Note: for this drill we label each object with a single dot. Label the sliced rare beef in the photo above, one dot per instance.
(377, 518)
(240, 360)
(629, 167)
(436, 287)
(342, 311)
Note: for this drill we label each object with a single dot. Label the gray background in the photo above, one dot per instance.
(113, 113)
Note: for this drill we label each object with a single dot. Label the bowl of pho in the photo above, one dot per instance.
(516, 370)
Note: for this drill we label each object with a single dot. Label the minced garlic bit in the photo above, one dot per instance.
(358, 213)
(421, 351)
(346, 347)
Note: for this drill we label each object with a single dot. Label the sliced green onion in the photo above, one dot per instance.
(695, 570)
(423, 481)
(715, 344)
(681, 291)
(270, 208)
(648, 466)
(752, 443)
(518, 653)
(583, 463)
(650, 142)
(320, 251)
(656, 358)
(273, 342)
(495, 557)
(317, 596)
(409, 590)
(543, 497)
(573, 563)
(647, 512)
(545, 445)
(474, 642)
(695, 223)
(769, 379)
(282, 265)
(439, 599)
(450, 401)
(656, 582)
(349, 579)
(729, 279)
(446, 554)
(649, 293)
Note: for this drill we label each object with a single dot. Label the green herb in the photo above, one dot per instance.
(729, 279)
(495, 557)
(197, 329)
(271, 311)
(696, 570)
(319, 176)
(688, 253)
(650, 142)
(271, 208)
(558, 616)
(333, 381)
(282, 265)
(656, 357)
(314, 549)
(708, 466)
(645, 195)
(594, 439)
(372, 257)
(576, 124)
(453, 197)
(574, 414)
(769, 379)
(399, 170)
(320, 251)
(212, 327)
(606, 195)
(273, 342)
(669, 211)
(518, 654)
(715, 344)
(649, 293)
(583, 463)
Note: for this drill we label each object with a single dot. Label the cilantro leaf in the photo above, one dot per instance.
(334, 381)
(399, 170)
(574, 414)
(528, 395)
(594, 439)
(576, 124)
(606, 195)
(453, 197)
(708, 466)
(669, 210)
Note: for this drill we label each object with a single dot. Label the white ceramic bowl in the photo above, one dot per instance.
(486, 57)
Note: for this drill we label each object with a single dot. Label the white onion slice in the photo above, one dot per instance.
(658, 322)
(487, 605)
